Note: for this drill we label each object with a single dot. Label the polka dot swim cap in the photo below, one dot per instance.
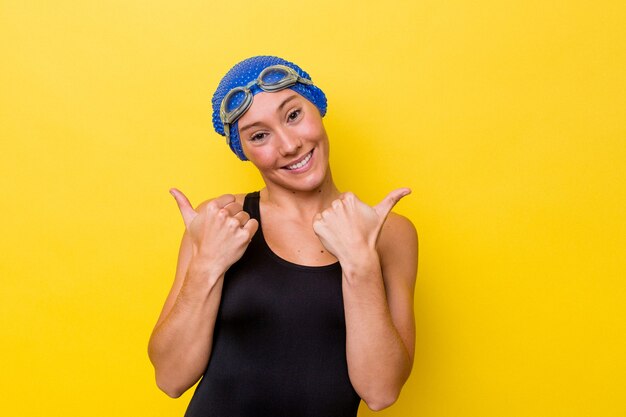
(248, 70)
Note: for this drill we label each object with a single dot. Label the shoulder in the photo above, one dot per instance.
(397, 230)
(398, 245)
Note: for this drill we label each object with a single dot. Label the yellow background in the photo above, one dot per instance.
(505, 117)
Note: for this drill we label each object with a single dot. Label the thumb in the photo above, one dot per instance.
(184, 206)
(384, 207)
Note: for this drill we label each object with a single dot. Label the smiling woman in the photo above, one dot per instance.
(284, 137)
(296, 300)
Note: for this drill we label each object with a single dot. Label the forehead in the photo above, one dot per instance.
(265, 104)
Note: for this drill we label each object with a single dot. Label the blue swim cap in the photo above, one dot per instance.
(248, 70)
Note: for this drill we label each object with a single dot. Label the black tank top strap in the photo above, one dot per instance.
(251, 205)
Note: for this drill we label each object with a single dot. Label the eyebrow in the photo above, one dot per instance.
(241, 129)
(286, 101)
(279, 109)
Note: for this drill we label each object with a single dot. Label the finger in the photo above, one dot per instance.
(347, 196)
(233, 208)
(251, 227)
(337, 204)
(184, 206)
(349, 199)
(223, 200)
(242, 217)
(384, 207)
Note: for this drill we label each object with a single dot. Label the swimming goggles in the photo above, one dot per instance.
(238, 100)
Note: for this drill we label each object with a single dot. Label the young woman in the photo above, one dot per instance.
(296, 300)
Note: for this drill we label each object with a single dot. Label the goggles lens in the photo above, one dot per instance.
(276, 78)
(234, 99)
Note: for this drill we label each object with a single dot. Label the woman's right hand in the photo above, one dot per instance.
(220, 231)
(216, 236)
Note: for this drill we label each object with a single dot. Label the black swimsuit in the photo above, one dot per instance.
(279, 346)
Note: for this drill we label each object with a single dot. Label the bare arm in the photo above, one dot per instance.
(378, 298)
(378, 282)
(216, 235)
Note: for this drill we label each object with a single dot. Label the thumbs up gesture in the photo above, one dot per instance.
(349, 224)
(220, 230)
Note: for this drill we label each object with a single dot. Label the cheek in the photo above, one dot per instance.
(312, 130)
(260, 156)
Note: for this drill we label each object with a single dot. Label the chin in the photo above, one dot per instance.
(308, 183)
(313, 182)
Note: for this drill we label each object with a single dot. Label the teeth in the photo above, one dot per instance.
(301, 163)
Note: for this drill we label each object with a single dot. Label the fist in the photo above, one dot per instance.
(220, 229)
(349, 225)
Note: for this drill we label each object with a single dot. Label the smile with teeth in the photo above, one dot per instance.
(302, 163)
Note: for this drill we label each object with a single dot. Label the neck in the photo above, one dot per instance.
(306, 203)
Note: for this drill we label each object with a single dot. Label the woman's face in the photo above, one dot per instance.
(282, 134)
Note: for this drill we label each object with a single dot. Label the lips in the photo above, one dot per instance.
(300, 162)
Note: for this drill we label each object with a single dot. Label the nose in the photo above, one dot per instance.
(290, 143)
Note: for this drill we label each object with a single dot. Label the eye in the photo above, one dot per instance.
(258, 136)
(293, 115)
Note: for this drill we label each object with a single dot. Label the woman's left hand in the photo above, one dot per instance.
(349, 225)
